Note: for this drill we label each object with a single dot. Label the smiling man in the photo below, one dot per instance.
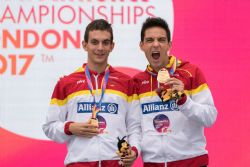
(93, 106)
(172, 127)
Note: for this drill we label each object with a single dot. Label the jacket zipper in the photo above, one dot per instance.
(163, 149)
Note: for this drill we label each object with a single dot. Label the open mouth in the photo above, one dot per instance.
(156, 55)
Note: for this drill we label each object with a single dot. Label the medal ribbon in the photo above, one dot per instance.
(173, 64)
(97, 105)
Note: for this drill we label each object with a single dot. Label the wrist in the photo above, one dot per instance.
(66, 128)
(182, 100)
(135, 150)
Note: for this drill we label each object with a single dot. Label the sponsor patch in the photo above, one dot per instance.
(161, 123)
(153, 107)
(102, 123)
(86, 107)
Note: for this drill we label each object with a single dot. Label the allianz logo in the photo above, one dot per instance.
(86, 107)
(153, 107)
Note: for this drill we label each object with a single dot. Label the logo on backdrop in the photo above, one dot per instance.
(38, 38)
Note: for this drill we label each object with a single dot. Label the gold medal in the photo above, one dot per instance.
(93, 120)
(166, 93)
(163, 75)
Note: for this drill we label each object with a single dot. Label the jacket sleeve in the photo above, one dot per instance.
(57, 116)
(133, 118)
(199, 104)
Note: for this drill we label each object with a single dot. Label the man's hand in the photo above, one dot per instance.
(129, 159)
(83, 129)
(175, 84)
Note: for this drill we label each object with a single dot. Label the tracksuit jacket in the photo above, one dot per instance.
(173, 132)
(72, 102)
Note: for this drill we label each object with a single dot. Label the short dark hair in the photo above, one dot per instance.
(155, 22)
(98, 24)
